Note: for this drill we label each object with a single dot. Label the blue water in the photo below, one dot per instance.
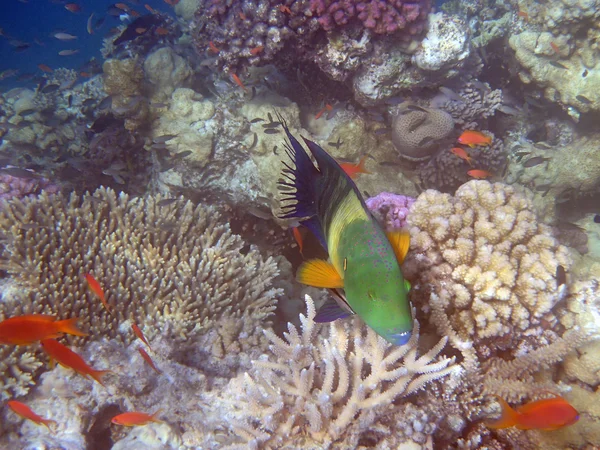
(38, 20)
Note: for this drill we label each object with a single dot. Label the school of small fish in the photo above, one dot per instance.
(42, 329)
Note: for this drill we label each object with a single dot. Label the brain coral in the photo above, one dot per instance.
(485, 259)
(173, 267)
(415, 130)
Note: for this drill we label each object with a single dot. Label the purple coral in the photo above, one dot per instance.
(17, 187)
(390, 209)
(381, 16)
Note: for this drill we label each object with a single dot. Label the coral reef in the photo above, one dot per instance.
(19, 187)
(169, 267)
(330, 389)
(445, 47)
(499, 264)
(390, 209)
(417, 131)
(379, 16)
(166, 70)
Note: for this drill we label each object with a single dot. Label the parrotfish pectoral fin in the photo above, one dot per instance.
(331, 311)
(319, 273)
(400, 241)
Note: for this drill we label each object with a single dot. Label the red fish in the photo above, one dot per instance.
(161, 31)
(25, 411)
(473, 138)
(149, 8)
(298, 239)
(97, 289)
(555, 47)
(212, 47)
(73, 7)
(238, 82)
(462, 154)
(352, 170)
(68, 358)
(147, 358)
(27, 329)
(139, 334)
(546, 414)
(171, 2)
(132, 419)
(327, 107)
(45, 68)
(256, 50)
(285, 9)
(479, 174)
(122, 6)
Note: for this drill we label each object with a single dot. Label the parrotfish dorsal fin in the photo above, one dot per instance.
(331, 311)
(319, 273)
(400, 240)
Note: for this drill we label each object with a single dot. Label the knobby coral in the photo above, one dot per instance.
(174, 267)
(333, 388)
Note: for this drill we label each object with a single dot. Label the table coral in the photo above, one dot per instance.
(175, 267)
(489, 261)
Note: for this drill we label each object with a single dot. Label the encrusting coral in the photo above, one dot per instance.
(317, 391)
(172, 267)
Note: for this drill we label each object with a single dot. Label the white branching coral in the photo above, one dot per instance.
(330, 389)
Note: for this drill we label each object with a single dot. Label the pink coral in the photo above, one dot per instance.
(390, 209)
(11, 187)
(381, 16)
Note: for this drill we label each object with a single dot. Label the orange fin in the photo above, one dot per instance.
(69, 326)
(400, 240)
(508, 418)
(98, 375)
(361, 165)
(319, 273)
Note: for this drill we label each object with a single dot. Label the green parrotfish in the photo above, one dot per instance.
(363, 265)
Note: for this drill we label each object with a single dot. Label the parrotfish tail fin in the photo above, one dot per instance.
(298, 187)
(400, 240)
(98, 375)
(319, 273)
(69, 326)
(508, 418)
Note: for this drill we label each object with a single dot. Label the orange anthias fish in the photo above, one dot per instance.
(73, 7)
(238, 82)
(27, 329)
(479, 174)
(327, 107)
(97, 289)
(132, 419)
(546, 414)
(139, 334)
(147, 358)
(68, 358)
(352, 170)
(473, 138)
(256, 50)
(462, 154)
(212, 47)
(25, 411)
(298, 239)
(45, 68)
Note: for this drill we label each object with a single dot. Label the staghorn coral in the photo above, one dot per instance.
(416, 131)
(489, 263)
(318, 391)
(171, 267)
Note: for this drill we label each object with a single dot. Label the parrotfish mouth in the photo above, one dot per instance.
(399, 338)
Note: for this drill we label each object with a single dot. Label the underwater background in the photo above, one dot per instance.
(211, 211)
